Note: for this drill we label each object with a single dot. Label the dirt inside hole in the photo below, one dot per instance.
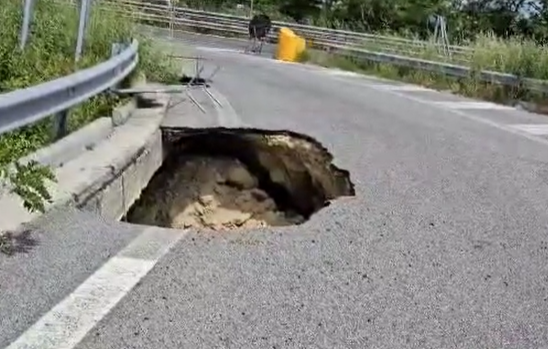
(227, 179)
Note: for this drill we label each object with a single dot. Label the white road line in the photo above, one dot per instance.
(279, 61)
(226, 114)
(337, 72)
(473, 105)
(410, 88)
(396, 91)
(217, 49)
(502, 127)
(64, 326)
(534, 129)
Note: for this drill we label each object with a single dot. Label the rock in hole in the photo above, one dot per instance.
(227, 179)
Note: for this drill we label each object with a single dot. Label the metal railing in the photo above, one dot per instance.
(316, 36)
(27, 106)
(30, 105)
(340, 42)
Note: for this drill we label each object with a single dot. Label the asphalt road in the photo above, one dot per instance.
(444, 246)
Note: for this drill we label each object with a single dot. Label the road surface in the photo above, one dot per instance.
(444, 246)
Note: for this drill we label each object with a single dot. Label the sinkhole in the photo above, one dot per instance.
(225, 179)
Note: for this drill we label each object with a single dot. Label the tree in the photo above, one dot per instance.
(301, 9)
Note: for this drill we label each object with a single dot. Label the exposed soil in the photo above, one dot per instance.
(226, 179)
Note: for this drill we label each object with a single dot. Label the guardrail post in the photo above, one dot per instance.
(171, 20)
(60, 125)
(115, 49)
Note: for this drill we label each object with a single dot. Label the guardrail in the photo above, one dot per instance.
(446, 69)
(317, 36)
(340, 42)
(30, 105)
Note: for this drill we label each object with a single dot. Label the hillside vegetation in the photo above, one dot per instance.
(407, 18)
(49, 54)
(500, 35)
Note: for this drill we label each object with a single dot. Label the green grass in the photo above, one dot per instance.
(518, 57)
(515, 56)
(50, 54)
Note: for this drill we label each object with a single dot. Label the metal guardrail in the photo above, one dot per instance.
(62, 91)
(313, 32)
(27, 106)
(446, 69)
(316, 35)
(188, 18)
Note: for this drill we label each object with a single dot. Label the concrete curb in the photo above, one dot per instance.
(108, 178)
(122, 113)
(76, 143)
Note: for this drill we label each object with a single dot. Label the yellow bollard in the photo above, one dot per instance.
(286, 45)
(300, 46)
(290, 45)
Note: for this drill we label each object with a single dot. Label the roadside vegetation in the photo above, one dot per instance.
(49, 54)
(514, 44)
(503, 36)
(520, 57)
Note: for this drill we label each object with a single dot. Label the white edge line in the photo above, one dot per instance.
(226, 114)
(454, 111)
(363, 84)
(406, 87)
(478, 105)
(217, 49)
(535, 129)
(66, 324)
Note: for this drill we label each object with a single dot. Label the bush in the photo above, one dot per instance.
(49, 54)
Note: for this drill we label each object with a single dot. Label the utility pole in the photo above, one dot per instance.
(27, 19)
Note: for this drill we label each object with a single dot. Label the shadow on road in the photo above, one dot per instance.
(22, 242)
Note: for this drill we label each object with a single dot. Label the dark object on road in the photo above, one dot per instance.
(194, 81)
(259, 27)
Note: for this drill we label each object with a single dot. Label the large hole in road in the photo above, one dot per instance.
(228, 179)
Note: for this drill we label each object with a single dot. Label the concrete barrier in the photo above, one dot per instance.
(106, 178)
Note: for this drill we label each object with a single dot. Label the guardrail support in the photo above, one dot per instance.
(60, 125)
(115, 50)
(171, 20)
